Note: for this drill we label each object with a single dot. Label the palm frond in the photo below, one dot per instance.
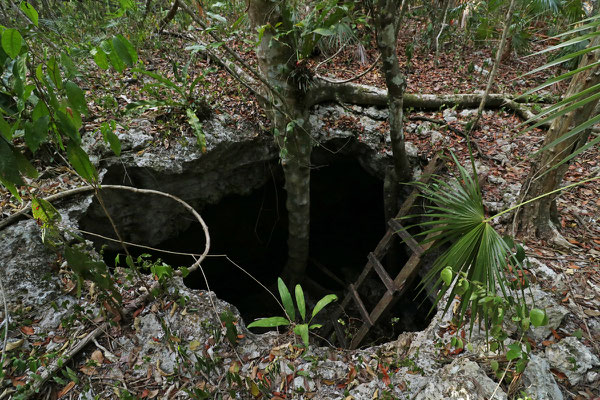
(587, 94)
(476, 252)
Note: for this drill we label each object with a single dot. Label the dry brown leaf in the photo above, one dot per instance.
(591, 313)
(27, 330)
(14, 345)
(66, 389)
(195, 345)
(98, 357)
(88, 370)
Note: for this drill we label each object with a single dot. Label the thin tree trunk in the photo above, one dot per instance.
(439, 34)
(169, 17)
(277, 60)
(387, 24)
(540, 217)
(497, 62)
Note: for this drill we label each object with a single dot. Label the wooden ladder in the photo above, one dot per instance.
(394, 287)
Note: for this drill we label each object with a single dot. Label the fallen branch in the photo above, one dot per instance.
(365, 95)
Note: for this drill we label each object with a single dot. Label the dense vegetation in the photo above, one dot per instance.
(72, 70)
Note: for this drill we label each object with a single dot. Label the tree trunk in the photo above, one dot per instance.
(537, 218)
(387, 23)
(277, 60)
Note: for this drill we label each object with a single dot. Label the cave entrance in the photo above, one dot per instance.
(347, 222)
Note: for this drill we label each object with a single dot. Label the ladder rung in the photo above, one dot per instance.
(406, 237)
(361, 306)
(385, 278)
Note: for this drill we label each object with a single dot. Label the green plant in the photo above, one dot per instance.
(301, 329)
(178, 93)
(482, 268)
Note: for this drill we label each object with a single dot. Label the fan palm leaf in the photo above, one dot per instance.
(476, 253)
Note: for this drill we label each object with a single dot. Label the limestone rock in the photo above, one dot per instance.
(436, 137)
(28, 269)
(539, 381)
(461, 380)
(450, 115)
(572, 358)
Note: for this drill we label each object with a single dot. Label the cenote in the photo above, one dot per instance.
(250, 230)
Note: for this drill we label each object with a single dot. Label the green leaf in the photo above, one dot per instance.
(110, 136)
(37, 133)
(44, 211)
(286, 299)
(67, 126)
(11, 188)
(124, 50)
(9, 170)
(24, 165)
(116, 61)
(54, 72)
(322, 303)
(40, 110)
(494, 365)
(30, 11)
(271, 322)
(538, 317)
(81, 162)
(76, 97)
(462, 286)
(161, 271)
(514, 351)
(197, 128)
(12, 42)
(447, 275)
(67, 63)
(300, 302)
(5, 129)
(231, 330)
(302, 331)
(129, 47)
(100, 58)
(324, 32)
(520, 255)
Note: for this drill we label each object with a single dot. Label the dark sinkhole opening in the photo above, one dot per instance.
(347, 222)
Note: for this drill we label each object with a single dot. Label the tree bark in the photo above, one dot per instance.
(277, 60)
(540, 217)
(387, 23)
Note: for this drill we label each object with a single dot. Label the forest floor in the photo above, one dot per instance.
(508, 154)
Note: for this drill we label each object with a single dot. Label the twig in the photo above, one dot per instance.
(110, 356)
(6, 322)
(356, 76)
